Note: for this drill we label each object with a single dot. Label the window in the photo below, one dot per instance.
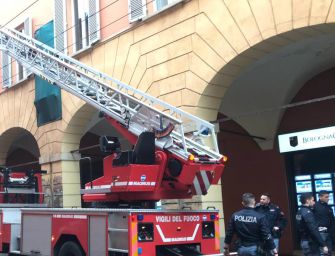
(137, 10)
(60, 26)
(160, 4)
(26, 28)
(20, 72)
(6, 70)
(86, 23)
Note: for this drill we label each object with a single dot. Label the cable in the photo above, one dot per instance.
(126, 15)
(216, 121)
(67, 47)
(62, 49)
(22, 164)
(51, 39)
(17, 15)
(291, 105)
(28, 7)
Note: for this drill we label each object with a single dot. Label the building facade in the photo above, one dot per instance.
(258, 68)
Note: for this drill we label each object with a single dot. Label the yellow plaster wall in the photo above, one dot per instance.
(187, 56)
(202, 46)
(190, 55)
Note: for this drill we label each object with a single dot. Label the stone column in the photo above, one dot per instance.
(61, 184)
(71, 184)
(47, 184)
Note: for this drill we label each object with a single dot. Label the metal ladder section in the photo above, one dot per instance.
(133, 108)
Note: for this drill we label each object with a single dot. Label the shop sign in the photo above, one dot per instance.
(317, 138)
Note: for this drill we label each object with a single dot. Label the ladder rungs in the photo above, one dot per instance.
(112, 96)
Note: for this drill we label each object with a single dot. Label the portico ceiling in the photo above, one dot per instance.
(254, 98)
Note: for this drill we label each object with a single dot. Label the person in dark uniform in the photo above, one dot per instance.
(310, 238)
(274, 216)
(325, 217)
(251, 229)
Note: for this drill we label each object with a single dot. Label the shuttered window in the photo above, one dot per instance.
(93, 21)
(22, 73)
(137, 10)
(27, 29)
(86, 22)
(60, 26)
(6, 70)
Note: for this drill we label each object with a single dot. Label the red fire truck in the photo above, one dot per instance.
(175, 155)
(116, 232)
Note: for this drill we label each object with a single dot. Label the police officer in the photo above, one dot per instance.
(307, 226)
(325, 217)
(274, 216)
(251, 229)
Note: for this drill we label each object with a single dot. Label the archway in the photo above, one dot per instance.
(253, 106)
(22, 149)
(21, 163)
(81, 137)
(91, 163)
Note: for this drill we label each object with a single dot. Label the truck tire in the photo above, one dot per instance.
(70, 249)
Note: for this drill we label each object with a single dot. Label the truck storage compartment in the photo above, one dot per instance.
(36, 233)
(118, 232)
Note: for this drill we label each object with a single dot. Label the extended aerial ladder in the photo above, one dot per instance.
(177, 133)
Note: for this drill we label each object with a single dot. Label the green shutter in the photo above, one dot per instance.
(48, 100)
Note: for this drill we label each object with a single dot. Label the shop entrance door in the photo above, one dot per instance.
(309, 171)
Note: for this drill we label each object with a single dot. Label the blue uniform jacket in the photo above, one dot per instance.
(250, 227)
(307, 226)
(274, 216)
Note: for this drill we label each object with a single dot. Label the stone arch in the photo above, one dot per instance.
(20, 153)
(18, 117)
(76, 116)
(238, 35)
(255, 97)
(75, 128)
(84, 119)
(191, 54)
(80, 120)
(17, 138)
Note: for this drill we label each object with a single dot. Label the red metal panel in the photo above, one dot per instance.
(6, 233)
(122, 130)
(172, 229)
(17, 197)
(68, 223)
(119, 182)
(129, 178)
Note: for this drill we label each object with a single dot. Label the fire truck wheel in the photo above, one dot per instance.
(70, 249)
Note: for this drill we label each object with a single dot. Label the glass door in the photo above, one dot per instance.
(314, 184)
